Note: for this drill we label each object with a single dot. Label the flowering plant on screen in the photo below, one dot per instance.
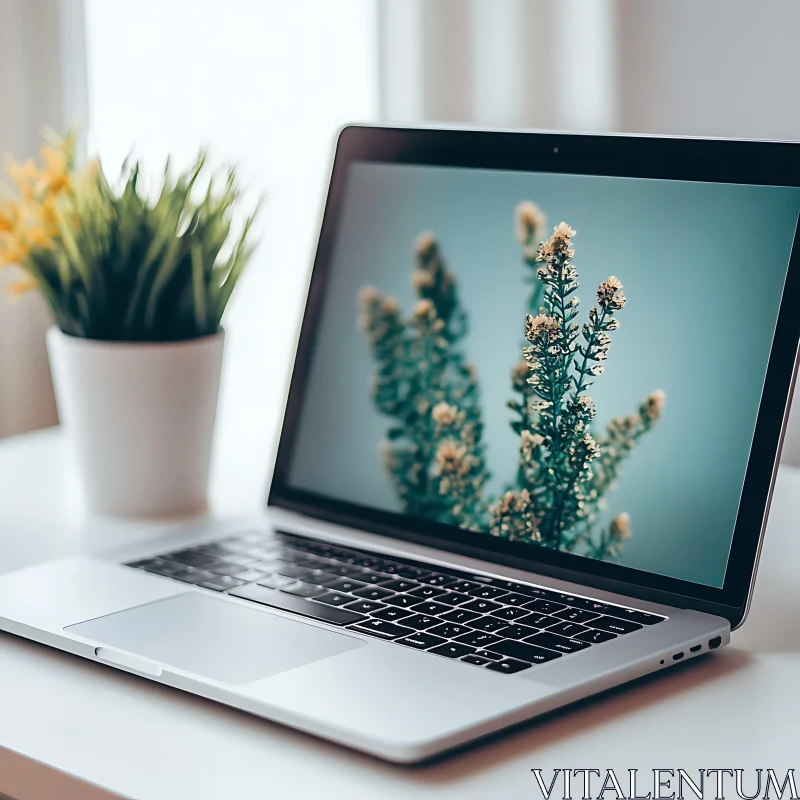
(434, 451)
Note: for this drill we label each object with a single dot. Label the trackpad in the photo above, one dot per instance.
(215, 638)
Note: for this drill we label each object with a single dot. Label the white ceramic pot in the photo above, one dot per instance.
(140, 417)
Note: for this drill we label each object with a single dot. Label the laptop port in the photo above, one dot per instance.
(677, 657)
(696, 649)
(715, 642)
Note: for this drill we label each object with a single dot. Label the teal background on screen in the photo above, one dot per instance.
(703, 267)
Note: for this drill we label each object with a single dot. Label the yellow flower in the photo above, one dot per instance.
(38, 236)
(49, 210)
(30, 220)
(24, 177)
(20, 287)
(55, 177)
(13, 253)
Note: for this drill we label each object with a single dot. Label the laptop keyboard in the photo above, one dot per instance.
(492, 623)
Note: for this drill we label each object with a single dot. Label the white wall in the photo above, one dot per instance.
(712, 68)
(41, 85)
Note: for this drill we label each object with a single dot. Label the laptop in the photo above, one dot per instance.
(527, 455)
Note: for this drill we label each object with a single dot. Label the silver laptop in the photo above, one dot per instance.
(527, 455)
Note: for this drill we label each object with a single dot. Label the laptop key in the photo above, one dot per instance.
(517, 632)
(365, 606)
(426, 592)
(575, 615)
(508, 665)
(614, 625)
(516, 600)
(478, 661)
(196, 576)
(189, 559)
(391, 613)
(311, 562)
(569, 629)
(345, 570)
(511, 613)
(452, 650)
(596, 636)
(297, 605)
(436, 579)
(523, 652)
(641, 617)
(431, 608)
(293, 571)
(268, 566)
(220, 583)
(276, 581)
(482, 606)
(558, 643)
(458, 585)
(400, 585)
(402, 601)
(249, 575)
(389, 567)
(381, 629)
(373, 593)
(478, 639)
(226, 581)
(511, 586)
(453, 598)
(590, 605)
(490, 624)
(302, 589)
(226, 568)
(412, 573)
(488, 656)
(334, 598)
(345, 585)
(460, 616)
(449, 630)
(538, 591)
(371, 577)
(421, 621)
(321, 578)
(488, 592)
(214, 550)
(421, 641)
(541, 620)
(415, 573)
(369, 562)
(164, 568)
(242, 561)
(545, 606)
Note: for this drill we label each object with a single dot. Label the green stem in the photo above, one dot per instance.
(580, 386)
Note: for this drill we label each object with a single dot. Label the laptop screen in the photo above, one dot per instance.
(570, 362)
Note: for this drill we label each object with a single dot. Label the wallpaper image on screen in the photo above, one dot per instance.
(571, 362)
(434, 448)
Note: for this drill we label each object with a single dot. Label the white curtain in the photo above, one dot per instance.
(42, 84)
(508, 63)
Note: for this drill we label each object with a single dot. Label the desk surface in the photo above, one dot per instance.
(69, 728)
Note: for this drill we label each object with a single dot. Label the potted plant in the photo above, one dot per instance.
(138, 282)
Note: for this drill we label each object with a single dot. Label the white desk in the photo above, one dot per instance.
(72, 729)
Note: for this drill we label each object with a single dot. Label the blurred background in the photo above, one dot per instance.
(266, 83)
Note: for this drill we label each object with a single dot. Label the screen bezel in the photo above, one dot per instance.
(702, 160)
